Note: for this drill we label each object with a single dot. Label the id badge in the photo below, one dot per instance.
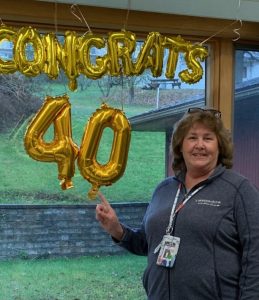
(168, 251)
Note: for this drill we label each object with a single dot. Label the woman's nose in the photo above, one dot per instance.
(199, 143)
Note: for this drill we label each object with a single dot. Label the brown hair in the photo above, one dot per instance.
(212, 122)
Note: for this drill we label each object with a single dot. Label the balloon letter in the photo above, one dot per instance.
(87, 68)
(7, 66)
(29, 67)
(151, 55)
(194, 52)
(68, 58)
(117, 51)
(51, 67)
(62, 149)
(175, 45)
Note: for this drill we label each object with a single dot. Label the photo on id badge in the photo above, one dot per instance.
(168, 251)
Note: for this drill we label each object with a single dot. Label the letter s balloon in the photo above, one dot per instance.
(194, 54)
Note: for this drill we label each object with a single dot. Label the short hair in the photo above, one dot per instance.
(212, 122)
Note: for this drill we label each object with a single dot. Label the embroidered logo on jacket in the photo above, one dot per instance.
(208, 202)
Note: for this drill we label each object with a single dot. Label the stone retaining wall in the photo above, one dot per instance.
(42, 231)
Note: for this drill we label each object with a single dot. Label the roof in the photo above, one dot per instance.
(164, 118)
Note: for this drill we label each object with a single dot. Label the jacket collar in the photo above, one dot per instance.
(217, 172)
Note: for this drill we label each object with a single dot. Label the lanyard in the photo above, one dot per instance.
(175, 209)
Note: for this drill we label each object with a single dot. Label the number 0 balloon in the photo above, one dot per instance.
(96, 173)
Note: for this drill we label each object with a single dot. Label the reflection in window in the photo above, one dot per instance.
(246, 114)
(25, 180)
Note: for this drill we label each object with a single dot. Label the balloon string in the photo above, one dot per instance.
(75, 10)
(235, 30)
(55, 17)
(127, 15)
(216, 33)
(122, 88)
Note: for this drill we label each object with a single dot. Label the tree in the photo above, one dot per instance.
(17, 100)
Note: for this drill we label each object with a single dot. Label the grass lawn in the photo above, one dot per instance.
(85, 278)
(27, 181)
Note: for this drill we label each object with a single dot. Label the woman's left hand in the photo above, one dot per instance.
(108, 219)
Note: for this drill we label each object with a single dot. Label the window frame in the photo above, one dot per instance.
(220, 79)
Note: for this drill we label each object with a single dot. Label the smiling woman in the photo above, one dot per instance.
(200, 144)
(200, 152)
(206, 222)
(207, 232)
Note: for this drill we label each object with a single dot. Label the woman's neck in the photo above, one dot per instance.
(192, 178)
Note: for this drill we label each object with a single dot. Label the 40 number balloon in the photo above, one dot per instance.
(64, 151)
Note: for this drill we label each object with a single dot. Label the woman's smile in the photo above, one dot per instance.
(200, 148)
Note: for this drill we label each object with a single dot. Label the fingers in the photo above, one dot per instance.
(103, 199)
(104, 213)
(103, 209)
(100, 214)
(105, 205)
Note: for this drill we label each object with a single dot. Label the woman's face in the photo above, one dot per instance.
(200, 149)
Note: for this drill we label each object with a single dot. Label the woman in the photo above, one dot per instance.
(201, 228)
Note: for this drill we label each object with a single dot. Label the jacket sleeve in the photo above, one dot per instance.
(134, 240)
(247, 216)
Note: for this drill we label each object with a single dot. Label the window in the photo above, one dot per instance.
(246, 113)
(26, 181)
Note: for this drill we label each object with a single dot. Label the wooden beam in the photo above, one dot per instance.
(220, 78)
(42, 15)
(226, 82)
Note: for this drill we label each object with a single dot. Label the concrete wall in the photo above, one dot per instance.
(42, 231)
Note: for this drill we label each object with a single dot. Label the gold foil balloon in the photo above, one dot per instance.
(62, 149)
(48, 55)
(29, 66)
(68, 57)
(96, 173)
(7, 66)
(87, 67)
(151, 55)
(192, 57)
(51, 66)
(193, 54)
(120, 47)
(175, 45)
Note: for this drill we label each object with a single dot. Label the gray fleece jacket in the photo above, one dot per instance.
(218, 257)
